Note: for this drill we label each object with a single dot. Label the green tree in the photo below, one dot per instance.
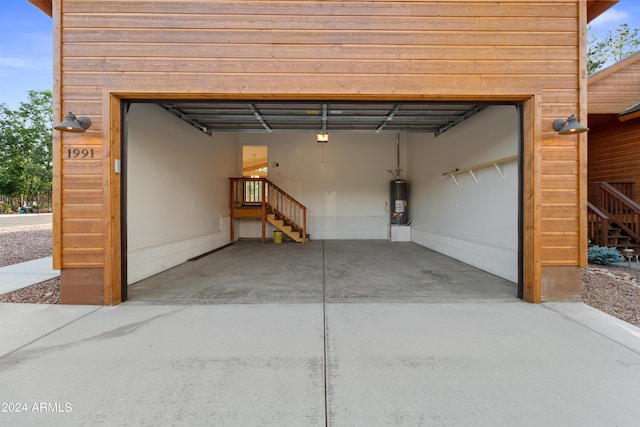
(611, 48)
(25, 148)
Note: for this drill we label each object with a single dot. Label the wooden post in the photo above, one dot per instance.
(231, 211)
(264, 213)
(304, 225)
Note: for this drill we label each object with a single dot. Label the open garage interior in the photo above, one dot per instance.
(459, 160)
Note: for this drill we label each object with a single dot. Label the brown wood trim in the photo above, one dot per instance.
(264, 212)
(531, 162)
(44, 5)
(154, 97)
(112, 203)
(629, 116)
(596, 8)
(231, 213)
(583, 185)
(56, 195)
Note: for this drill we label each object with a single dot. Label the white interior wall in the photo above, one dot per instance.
(177, 190)
(344, 183)
(476, 223)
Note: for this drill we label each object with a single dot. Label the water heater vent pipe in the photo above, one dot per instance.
(397, 173)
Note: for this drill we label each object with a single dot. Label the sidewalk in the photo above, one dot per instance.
(18, 276)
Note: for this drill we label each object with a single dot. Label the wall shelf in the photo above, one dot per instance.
(472, 170)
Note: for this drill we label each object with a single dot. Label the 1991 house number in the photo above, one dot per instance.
(80, 153)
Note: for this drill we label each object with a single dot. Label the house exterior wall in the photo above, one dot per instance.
(616, 88)
(614, 150)
(614, 143)
(475, 222)
(524, 50)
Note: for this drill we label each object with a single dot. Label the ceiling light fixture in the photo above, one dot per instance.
(322, 137)
(569, 126)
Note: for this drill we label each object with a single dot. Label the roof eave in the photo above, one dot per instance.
(630, 113)
(596, 8)
(44, 5)
(613, 68)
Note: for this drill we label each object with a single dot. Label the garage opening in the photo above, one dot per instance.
(460, 162)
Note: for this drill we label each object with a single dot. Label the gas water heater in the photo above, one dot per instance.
(399, 202)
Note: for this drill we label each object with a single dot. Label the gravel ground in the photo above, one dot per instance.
(24, 243)
(612, 289)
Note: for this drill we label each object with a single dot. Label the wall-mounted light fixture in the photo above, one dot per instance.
(322, 137)
(71, 123)
(569, 126)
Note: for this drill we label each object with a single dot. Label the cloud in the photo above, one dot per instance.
(25, 63)
(612, 16)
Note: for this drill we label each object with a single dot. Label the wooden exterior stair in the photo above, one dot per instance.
(260, 198)
(614, 218)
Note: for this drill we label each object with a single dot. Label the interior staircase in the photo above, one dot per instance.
(614, 217)
(260, 198)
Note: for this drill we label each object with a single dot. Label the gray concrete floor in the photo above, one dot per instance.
(332, 270)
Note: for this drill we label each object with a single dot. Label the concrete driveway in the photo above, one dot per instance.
(357, 340)
(476, 363)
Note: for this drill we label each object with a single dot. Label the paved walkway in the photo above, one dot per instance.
(17, 276)
(11, 220)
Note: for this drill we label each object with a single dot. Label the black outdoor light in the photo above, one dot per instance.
(71, 123)
(569, 126)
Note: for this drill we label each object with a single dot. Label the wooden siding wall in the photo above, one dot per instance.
(613, 155)
(450, 49)
(617, 90)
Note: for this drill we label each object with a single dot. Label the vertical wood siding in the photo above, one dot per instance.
(478, 50)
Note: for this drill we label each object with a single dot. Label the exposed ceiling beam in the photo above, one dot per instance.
(389, 117)
(176, 112)
(475, 110)
(324, 117)
(258, 116)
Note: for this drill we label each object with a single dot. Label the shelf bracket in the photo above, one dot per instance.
(498, 164)
(500, 169)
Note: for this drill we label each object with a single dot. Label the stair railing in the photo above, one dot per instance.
(246, 192)
(598, 225)
(260, 192)
(286, 207)
(620, 209)
(624, 187)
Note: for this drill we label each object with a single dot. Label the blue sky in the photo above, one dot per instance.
(26, 51)
(625, 12)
